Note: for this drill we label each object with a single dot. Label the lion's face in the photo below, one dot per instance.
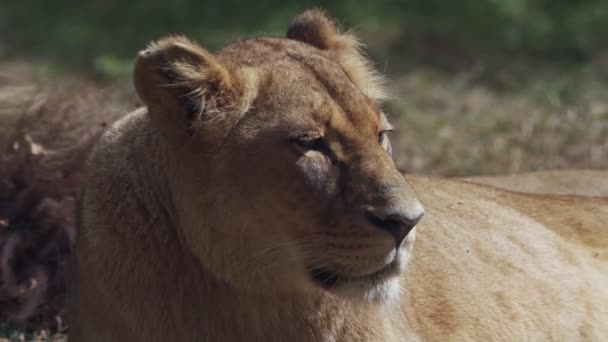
(283, 176)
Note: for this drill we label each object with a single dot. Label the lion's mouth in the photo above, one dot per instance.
(329, 280)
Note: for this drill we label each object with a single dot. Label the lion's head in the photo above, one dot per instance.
(280, 165)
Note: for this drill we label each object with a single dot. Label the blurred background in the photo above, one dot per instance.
(478, 87)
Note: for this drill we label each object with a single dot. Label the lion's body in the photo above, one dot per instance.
(209, 220)
(567, 182)
(496, 265)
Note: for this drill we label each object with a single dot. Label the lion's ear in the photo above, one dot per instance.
(316, 28)
(183, 85)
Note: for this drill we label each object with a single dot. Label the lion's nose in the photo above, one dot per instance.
(396, 222)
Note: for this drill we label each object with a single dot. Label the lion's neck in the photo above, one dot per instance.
(242, 315)
(319, 316)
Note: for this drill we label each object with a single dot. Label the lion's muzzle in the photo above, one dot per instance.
(398, 222)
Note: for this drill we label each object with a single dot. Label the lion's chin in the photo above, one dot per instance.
(366, 292)
(378, 287)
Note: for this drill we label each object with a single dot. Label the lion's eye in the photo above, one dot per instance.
(305, 144)
(317, 144)
(384, 141)
(382, 137)
(310, 143)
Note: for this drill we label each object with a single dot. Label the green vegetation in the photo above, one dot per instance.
(10, 334)
(103, 35)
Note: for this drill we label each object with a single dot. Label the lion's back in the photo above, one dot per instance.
(486, 256)
(563, 182)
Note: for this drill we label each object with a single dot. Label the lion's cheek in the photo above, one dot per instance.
(318, 172)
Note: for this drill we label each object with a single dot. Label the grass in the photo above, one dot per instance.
(10, 334)
(457, 125)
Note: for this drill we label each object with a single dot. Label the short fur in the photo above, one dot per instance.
(246, 222)
(565, 182)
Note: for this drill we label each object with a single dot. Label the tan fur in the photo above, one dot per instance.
(219, 225)
(565, 182)
(317, 29)
(498, 265)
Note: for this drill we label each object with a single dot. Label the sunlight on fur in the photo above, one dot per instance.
(255, 198)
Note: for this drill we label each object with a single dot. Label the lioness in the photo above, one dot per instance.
(566, 182)
(254, 198)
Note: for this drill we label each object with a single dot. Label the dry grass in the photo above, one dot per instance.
(456, 126)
